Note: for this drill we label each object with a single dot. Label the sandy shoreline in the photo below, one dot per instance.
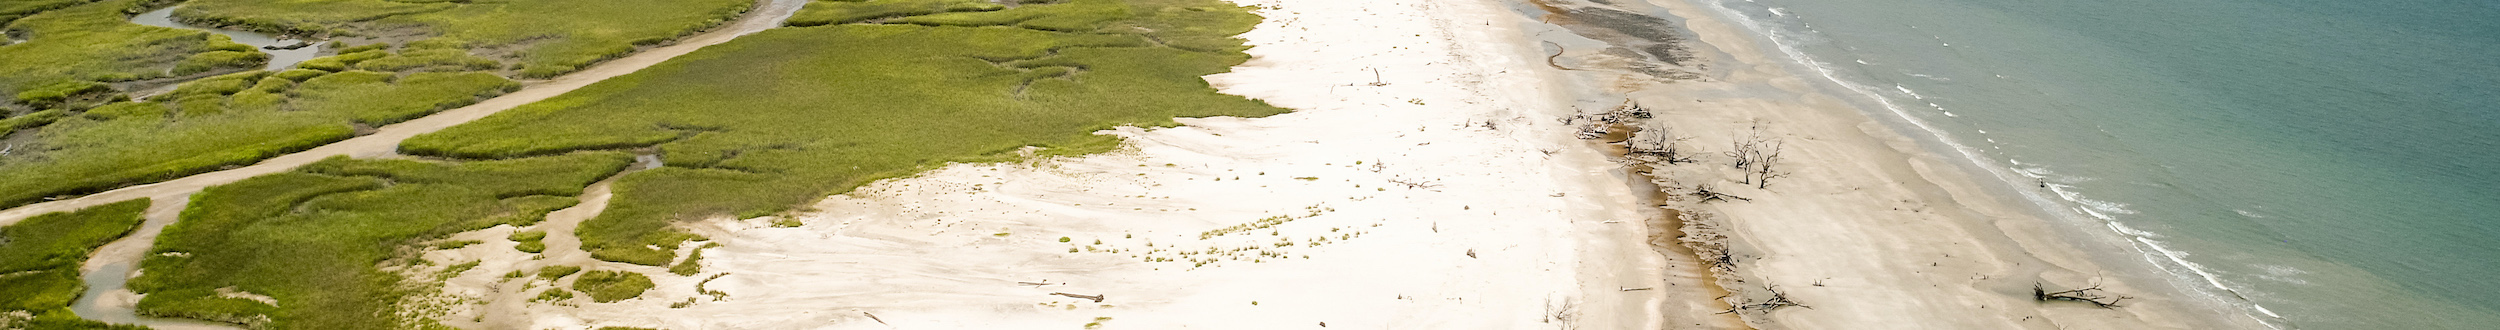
(1871, 229)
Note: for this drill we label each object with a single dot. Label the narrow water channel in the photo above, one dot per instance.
(108, 272)
(279, 59)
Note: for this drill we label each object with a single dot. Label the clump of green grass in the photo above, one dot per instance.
(553, 294)
(693, 263)
(546, 38)
(447, 245)
(552, 273)
(531, 241)
(314, 239)
(607, 286)
(39, 256)
(824, 109)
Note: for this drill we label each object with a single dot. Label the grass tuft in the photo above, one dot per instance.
(606, 286)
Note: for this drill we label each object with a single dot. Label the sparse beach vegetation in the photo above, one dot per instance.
(40, 256)
(814, 118)
(552, 273)
(318, 240)
(606, 286)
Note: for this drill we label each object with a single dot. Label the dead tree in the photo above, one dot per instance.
(2091, 295)
(1755, 156)
(1766, 166)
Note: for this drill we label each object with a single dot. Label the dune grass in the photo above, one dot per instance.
(546, 37)
(220, 121)
(316, 239)
(89, 43)
(786, 116)
(39, 259)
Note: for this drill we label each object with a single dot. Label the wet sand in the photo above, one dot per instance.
(1870, 229)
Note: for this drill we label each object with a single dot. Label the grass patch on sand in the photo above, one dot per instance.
(228, 120)
(324, 240)
(608, 286)
(541, 38)
(786, 116)
(73, 48)
(552, 273)
(39, 259)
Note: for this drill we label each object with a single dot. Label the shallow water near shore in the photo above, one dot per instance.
(2324, 165)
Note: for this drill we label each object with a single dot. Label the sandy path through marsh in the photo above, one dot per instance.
(385, 141)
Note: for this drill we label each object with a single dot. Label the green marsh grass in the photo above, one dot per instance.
(312, 239)
(826, 12)
(40, 256)
(95, 42)
(226, 120)
(546, 37)
(786, 116)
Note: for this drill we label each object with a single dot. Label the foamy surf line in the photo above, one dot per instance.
(2068, 205)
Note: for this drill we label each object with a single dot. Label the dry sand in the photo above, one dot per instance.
(1440, 195)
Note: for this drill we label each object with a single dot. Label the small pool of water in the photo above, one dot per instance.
(279, 59)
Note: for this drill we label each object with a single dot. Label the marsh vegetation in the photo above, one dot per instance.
(40, 257)
(318, 240)
(84, 116)
(783, 117)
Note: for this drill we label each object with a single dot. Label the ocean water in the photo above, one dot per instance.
(2317, 164)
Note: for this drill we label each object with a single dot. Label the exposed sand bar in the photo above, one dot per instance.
(1872, 229)
(385, 141)
(1422, 182)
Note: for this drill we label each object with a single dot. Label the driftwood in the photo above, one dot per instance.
(1707, 195)
(1778, 300)
(2092, 295)
(1095, 298)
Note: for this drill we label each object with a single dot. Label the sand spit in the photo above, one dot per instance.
(1868, 230)
(1421, 183)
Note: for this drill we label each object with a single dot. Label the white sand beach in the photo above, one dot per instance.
(1424, 181)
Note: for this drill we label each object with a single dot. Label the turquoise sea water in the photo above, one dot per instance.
(2319, 164)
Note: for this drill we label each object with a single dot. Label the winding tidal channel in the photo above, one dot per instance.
(107, 272)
